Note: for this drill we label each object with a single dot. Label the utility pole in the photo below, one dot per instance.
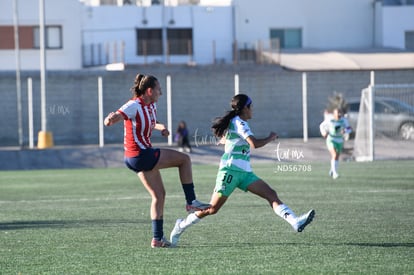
(45, 139)
(18, 81)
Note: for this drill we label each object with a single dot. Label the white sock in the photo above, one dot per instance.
(190, 220)
(336, 166)
(333, 165)
(286, 213)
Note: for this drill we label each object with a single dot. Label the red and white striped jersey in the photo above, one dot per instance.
(139, 120)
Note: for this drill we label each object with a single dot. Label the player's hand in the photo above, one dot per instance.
(222, 140)
(273, 136)
(109, 119)
(165, 132)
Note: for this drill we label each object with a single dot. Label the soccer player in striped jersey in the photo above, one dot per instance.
(333, 129)
(235, 170)
(139, 116)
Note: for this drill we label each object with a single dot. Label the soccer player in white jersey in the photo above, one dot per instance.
(235, 170)
(333, 129)
(139, 116)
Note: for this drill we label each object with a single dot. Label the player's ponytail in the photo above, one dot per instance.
(220, 124)
(142, 83)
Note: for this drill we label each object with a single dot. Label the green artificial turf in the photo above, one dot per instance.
(96, 221)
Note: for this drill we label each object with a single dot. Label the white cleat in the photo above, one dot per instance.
(176, 233)
(335, 176)
(304, 220)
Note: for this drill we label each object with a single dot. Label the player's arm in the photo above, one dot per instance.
(113, 118)
(161, 127)
(347, 128)
(260, 142)
(323, 129)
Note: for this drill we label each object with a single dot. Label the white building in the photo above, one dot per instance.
(63, 33)
(194, 32)
(137, 35)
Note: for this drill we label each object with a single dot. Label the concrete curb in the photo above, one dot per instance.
(93, 156)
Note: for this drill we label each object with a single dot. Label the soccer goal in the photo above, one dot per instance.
(385, 121)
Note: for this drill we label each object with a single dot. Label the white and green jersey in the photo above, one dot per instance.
(236, 149)
(335, 129)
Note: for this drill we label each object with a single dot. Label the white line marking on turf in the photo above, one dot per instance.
(85, 199)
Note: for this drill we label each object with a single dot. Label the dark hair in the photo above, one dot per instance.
(220, 124)
(142, 83)
(181, 125)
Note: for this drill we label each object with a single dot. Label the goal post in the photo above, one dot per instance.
(385, 119)
(364, 134)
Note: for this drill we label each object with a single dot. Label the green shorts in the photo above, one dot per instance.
(337, 146)
(227, 180)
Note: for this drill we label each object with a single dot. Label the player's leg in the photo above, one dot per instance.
(335, 151)
(262, 189)
(226, 182)
(216, 202)
(171, 158)
(334, 156)
(152, 181)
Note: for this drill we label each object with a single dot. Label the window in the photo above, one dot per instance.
(353, 107)
(180, 41)
(409, 40)
(149, 42)
(27, 39)
(53, 37)
(289, 38)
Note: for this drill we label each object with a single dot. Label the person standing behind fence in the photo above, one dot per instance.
(139, 116)
(182, 137)
(333, 129)
(235, 170)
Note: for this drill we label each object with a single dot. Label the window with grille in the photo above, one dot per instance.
(180, 41)
(149, 42)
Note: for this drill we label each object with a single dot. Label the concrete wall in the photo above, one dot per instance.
(199, 95)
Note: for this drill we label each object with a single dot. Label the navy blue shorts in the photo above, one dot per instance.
(145, 161)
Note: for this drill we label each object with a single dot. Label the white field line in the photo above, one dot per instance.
(86, 199)
(384, 191)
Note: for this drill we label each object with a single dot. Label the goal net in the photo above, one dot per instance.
(385, 123)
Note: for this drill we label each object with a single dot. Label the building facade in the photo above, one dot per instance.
(188, 32)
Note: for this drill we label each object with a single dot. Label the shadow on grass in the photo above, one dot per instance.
(17, 225)
(382, 244)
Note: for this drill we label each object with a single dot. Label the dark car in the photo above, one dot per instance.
(392, 116)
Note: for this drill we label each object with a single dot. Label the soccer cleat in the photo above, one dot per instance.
(335, 176)
(160, 243)
(304, 220)
(176, 232)
(196, 206)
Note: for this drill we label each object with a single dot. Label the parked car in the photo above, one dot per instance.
(392, 117)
